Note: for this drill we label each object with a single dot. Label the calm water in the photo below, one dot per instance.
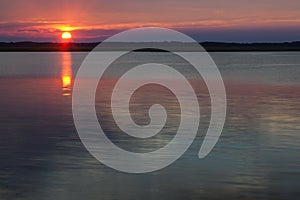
(257, 155)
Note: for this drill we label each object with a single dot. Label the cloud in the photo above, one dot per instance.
(39, 20)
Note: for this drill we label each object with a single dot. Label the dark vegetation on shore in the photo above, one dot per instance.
(209, 46)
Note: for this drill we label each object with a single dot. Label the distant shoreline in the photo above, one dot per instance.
(208, 46)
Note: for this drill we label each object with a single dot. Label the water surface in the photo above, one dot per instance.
(257, 155)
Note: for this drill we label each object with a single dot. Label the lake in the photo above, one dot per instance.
(256, 157)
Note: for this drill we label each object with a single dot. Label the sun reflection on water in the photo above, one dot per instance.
(66, 74)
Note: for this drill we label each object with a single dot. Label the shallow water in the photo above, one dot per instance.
(257, 155)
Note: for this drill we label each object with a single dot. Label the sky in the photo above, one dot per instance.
(96, 20)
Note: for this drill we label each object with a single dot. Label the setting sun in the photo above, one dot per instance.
(66, 35)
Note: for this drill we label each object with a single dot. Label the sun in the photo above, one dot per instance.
(66, 35)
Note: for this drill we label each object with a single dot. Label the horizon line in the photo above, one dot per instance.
(224, 42)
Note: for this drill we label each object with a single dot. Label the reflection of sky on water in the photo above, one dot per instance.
(43, 158)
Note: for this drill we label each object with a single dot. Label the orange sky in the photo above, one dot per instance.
(94, 20)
